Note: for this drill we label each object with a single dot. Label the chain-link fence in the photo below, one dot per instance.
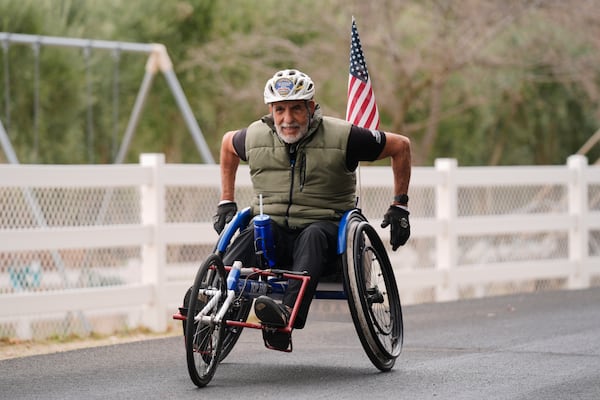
(474, 234)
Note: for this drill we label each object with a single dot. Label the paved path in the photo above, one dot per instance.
(541, 346)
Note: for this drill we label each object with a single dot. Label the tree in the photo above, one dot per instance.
(71, 106)
(510, 82)
(461, 71)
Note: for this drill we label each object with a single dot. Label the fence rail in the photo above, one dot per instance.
(93, 248)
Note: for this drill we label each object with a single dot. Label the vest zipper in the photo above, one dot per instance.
(292, 155)
(302, 171)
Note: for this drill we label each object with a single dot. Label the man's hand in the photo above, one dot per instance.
(225, 213)
(397, 218)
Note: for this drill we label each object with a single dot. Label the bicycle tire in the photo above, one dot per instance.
(373, 296)
(203, 341)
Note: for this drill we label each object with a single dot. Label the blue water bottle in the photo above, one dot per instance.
(263, 237)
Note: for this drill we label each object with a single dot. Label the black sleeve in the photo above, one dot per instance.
(363, 145)
(239, 144)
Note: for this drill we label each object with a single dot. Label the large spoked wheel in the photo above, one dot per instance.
(372, 294)
(204, 340)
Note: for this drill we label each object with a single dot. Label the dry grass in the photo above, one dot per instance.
(15, 348)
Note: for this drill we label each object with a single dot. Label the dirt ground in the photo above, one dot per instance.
(15, 348)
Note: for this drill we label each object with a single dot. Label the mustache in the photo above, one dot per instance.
(292, 125)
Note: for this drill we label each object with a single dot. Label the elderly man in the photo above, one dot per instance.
(303, 164)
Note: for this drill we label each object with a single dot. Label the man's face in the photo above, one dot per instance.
(292, 118)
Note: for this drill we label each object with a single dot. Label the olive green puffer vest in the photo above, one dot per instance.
(314, 185)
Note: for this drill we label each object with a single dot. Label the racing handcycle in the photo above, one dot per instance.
(216, 308)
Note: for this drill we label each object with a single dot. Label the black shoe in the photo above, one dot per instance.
(276, 340)
(271, 313)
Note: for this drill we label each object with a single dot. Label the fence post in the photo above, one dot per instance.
(446, 240)
(154, 253)
(578, 231)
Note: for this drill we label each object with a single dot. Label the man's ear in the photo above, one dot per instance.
(311, 106)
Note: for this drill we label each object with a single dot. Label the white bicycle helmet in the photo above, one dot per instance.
(289, 84)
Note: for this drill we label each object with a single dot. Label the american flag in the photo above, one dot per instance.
(362, 108)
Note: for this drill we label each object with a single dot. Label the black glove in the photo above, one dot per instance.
(225, 213)
(400, 227)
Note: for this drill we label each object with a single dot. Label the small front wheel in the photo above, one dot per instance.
(204, 338)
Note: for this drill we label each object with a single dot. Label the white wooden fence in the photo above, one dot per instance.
(476, 231)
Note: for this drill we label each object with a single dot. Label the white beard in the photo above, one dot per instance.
(289, 139)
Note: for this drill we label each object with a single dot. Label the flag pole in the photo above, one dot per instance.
(361, 109)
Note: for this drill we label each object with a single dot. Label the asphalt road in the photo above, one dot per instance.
(540, 346)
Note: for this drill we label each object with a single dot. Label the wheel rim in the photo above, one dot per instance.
(372, 294)
(376, 294)
(205, 343)
(204, 339)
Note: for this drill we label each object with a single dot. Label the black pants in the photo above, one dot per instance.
(312, 249)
